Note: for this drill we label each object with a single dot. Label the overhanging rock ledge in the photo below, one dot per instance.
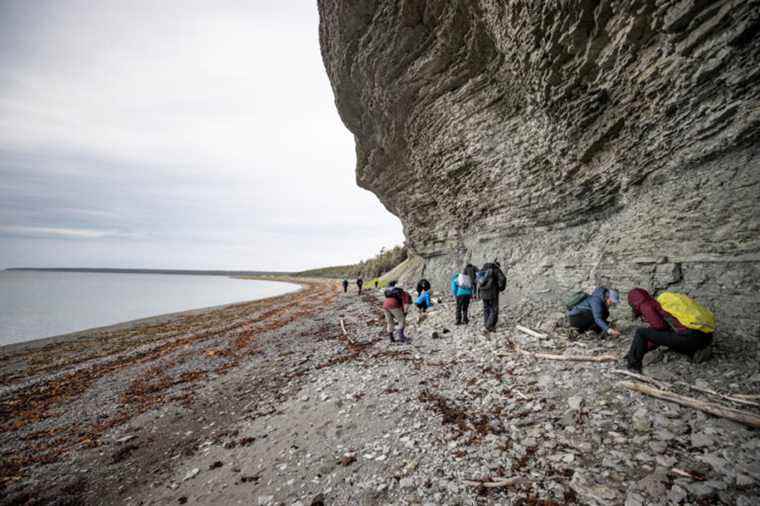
(579, 142)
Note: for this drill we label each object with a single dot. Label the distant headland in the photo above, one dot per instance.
(151, 271)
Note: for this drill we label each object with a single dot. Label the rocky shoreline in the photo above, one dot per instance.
(272, 403)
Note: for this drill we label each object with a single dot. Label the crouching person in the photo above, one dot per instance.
(592, 312)
(669, 317)
(423, 301)
(395, 307)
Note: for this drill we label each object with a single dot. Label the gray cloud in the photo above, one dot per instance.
(175, 134)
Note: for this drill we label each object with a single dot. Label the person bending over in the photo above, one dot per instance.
(593, 312)
(664, 330)
(395, 308)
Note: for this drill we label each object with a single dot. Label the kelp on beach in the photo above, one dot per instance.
(44, 404)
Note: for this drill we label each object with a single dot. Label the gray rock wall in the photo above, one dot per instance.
(580, 142)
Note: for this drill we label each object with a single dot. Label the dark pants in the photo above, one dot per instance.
(422, 306)
(584, 321)
(345, 288)
(463, 306)
(646, 339)
(490, 313)
(360, 289)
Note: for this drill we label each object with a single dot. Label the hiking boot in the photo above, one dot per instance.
(702, 355)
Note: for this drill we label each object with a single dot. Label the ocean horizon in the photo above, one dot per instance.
(40, 304)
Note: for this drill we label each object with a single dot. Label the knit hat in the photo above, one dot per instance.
(614, 296)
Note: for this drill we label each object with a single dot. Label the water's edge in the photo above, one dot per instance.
(156, 319)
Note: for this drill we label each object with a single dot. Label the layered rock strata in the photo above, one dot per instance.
(579, 142)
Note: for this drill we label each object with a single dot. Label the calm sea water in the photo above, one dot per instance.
(43, 304)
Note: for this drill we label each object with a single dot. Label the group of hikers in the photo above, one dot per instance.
(485, 283)
(673, 320)
(359, 285)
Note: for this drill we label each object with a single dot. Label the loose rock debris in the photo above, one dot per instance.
(311, 412)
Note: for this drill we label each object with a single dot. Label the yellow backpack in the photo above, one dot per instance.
(690, 313)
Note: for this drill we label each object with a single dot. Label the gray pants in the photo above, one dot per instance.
(396, 314)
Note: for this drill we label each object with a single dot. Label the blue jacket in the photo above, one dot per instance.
(596, 305)
(424, 298)
(457, 290)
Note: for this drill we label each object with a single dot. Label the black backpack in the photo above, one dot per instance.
(501, 279)
(394, 293)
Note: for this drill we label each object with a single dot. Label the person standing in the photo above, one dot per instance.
(359, 283)
(395, 307)
(472, 271)
(491, 281)
(461, 289)
(345, 285)
(593, 312)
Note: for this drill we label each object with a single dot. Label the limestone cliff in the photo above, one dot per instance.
(580, 142)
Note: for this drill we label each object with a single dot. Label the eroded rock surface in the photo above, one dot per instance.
(579, 142)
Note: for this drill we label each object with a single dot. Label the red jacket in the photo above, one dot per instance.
(392, 302)
(649, 310)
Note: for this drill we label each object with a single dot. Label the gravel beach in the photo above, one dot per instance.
(270, 402)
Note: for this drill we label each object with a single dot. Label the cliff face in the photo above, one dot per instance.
(579, 142)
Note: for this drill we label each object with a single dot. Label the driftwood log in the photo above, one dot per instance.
(743, 417)
(641, 377)
(343, 327)
(608, 357)
(495, 483)
(730, 398)
(526, 330)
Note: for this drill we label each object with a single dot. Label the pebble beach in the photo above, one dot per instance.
(275, 402)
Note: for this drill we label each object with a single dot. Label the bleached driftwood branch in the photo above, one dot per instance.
(743, 417)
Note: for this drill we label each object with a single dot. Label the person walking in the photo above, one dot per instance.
(461, 289)
(592, 313)
(664, 330)
(395, 307)
(360, 283)
(345, 285)
(491, 281)
(472, 271)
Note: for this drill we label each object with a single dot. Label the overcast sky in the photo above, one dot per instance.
(175, 134)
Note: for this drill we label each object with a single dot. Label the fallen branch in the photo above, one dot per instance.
(736, 399)
(714, 409)
(687, 474)
(746, 396)
(610, 357)
(530, 332)
(495, 484)
(520, 394)
(342, 326)
(641, 377)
